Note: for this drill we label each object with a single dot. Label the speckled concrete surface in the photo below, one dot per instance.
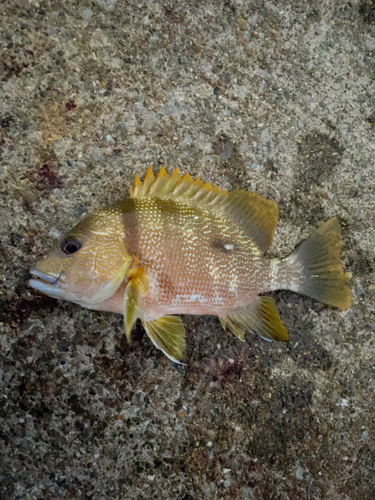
(274, 96)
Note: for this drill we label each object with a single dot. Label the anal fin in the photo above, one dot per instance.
(234, 328)
(168, 334)
(261, 317)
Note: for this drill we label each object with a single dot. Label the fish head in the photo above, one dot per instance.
(88, 264)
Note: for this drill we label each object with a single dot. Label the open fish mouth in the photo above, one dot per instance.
(47, 283)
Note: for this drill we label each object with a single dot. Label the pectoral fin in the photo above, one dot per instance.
(131, 304)
(168, 335)
(136, 288)
(261, 317)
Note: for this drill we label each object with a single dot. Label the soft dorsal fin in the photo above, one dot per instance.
(254, 214)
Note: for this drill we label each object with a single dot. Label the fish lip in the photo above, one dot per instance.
(49, 278)
(46, 283)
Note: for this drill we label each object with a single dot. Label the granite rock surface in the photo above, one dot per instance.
(272, 96)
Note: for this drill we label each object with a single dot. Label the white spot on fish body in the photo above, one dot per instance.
(100, 233)
(233, 284)
(197, 297)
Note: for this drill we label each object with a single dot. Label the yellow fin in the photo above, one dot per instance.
(174, 186)
(171, 183)
(151, 187)
(139, 278)
(237, 330)
(141, 189)
(254, 214)
(261, 317)
(159, 183)
(137, 183)
(168, 334)
(131, 304)
(187, 188)
(323, 276)
(136, 288)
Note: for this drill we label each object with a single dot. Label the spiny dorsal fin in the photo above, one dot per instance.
(153, 187)
(168, 335)
(255, 215)
(174, 186)
(260, 316)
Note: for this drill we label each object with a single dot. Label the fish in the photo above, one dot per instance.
(180, 246)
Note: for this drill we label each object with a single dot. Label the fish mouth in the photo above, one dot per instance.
(47, 283)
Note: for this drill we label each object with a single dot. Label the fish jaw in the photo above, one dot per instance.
(46, 283)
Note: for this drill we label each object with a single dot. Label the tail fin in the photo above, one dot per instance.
(323, 277)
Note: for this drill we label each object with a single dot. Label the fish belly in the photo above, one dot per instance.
(210, 287)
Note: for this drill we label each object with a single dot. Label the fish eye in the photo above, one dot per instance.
(70, 246)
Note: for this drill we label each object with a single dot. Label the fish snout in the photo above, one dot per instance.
(47, 283)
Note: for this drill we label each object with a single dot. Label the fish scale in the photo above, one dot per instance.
(181, 246)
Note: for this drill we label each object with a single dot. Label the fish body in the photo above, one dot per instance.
(178, 246)
(195, 263)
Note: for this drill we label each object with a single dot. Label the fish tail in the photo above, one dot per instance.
(321, 275)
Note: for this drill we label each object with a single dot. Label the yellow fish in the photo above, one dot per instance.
(179, 246)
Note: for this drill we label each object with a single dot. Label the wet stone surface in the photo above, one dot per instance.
(273, 96)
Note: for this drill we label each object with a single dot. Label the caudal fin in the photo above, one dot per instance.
(323, 277)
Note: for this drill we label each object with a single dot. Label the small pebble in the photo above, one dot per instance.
(121, 126)
(242, 23)
(54, 233)
(87, 13)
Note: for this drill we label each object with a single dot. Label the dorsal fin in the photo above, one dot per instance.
(254, 214)
(174, 186)
(154, 187)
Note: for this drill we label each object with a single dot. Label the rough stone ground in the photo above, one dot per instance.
(274, 96)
